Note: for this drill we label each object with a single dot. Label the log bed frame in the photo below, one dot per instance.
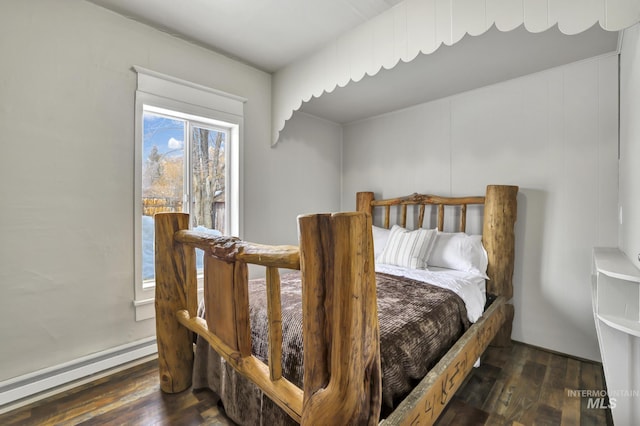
(342, 375)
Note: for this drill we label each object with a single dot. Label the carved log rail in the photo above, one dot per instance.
(427, 400)
(231, 249)
(421, 200)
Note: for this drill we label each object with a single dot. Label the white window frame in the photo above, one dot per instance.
(194, 100)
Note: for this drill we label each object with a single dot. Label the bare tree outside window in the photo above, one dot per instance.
(207, 156)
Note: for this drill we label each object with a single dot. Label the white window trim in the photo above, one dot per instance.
(174, 94)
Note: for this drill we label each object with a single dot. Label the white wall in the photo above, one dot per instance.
(66, 173)
(308, 169)
(554, 134)
(630, 144)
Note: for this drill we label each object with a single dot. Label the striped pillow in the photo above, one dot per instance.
(409, 249)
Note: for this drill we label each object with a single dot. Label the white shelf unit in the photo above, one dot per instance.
(618, 290)
(616, 311)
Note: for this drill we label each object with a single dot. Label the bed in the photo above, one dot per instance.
(338, 293)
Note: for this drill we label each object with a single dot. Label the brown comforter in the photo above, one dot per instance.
(418, 324)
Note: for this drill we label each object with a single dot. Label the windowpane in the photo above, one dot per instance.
(208, 171)
(162, 177)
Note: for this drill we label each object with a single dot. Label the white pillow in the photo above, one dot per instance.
(380, 238)
(459, 251)
(409, 249)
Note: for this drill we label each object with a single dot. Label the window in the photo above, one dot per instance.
(187, 160)
(183, 170)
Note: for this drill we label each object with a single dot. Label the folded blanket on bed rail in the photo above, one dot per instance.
(418, 324)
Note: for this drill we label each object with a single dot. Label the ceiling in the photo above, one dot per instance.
(267, 34)
(471, 63)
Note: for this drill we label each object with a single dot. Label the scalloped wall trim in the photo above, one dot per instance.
(422, 26)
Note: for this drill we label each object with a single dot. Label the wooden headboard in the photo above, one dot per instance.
(498, 235)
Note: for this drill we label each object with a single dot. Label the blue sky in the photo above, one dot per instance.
(165, 133)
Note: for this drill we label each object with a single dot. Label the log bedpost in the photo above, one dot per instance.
(498, 238)
(363, 202)
(175, 290)
(342, 373)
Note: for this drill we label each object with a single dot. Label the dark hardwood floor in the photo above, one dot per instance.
(524, 385)
(519, 385)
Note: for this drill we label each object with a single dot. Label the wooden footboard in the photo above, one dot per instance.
(342, 377)
(226, 302)
(342, 373)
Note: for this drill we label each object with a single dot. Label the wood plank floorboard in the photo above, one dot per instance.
(518, 385)
(525, 385)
